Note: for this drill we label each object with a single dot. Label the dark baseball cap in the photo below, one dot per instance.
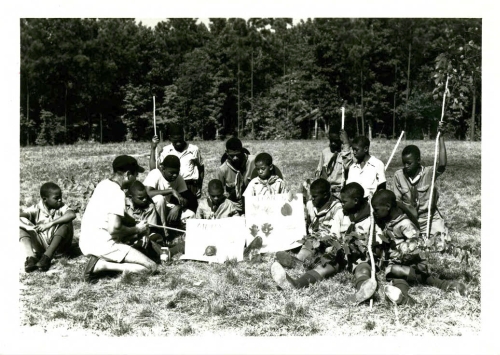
(126, 163)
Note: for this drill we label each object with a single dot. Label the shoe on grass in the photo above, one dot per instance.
(88, 274)
(44, 263)
(366, 291)
(280, 277)
(30, 264)
(395, 295)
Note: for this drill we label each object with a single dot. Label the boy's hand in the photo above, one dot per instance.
(174, 214)
(343, 137)
(182, 200)
(154, 142)
(142, 227)
(441, 126)
(43, 227)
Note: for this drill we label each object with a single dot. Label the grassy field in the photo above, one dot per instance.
(194, 298)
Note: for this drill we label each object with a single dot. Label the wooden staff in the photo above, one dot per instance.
(394, 150)
(342, 127)
(154, 125)
(370, 251)
(427, 233)
(169, 228)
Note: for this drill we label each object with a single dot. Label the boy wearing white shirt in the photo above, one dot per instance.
(192, 168)
(367, 170)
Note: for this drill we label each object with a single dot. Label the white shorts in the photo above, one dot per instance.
(99, 243)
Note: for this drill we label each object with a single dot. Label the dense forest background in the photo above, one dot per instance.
(260, 78)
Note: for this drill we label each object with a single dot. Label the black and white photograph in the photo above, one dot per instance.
(368, 129)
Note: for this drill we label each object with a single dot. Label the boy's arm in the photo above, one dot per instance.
(68, 216)
(443, 159)
(124, 234)
(152, 155)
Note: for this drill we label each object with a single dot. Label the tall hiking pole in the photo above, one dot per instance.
(369, 287)
(342, 128)
(154, 125)
(394, 150)
(446, 91)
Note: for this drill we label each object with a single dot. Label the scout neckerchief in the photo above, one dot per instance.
(44, 209)
(266, 184)
(363, 214)
(314, 226)
(214, 208)
(238, 181)
(413, 188)
(331, 163)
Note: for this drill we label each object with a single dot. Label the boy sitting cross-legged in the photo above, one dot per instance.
(105, 238)
(267, 182)
(402, 247)
(216, 205)
(350, 229)
(319, 211)
(169, 192)
(46, 228)
(412, 183)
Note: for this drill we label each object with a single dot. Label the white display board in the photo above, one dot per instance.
(226, 235)
(278, 221)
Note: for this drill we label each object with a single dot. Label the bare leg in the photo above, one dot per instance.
(161, 208)
(27, 247)
(134, 262)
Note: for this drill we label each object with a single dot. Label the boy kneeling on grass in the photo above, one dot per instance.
(349, 231)
(403, 249)
(104, 234)
(46, 228)
(216, 205)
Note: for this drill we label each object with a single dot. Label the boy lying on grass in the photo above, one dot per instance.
(105, 238)
(46, 228)
(320, 211)
(412, 186)
(169, 192)
(216, 205)
(267, 181)
(349, 231)
(403, 250)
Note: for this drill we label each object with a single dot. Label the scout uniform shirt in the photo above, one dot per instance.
(330, 166)
(206, 209)
(235, 181)
(322, 220)
(370, 176)
(272, 186)
(39, 214)
(416, 193)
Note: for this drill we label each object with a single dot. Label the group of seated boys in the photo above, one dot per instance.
(126, 222)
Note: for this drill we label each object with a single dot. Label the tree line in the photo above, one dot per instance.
(259, 78)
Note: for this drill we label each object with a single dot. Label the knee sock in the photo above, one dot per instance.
(359, 281)
(307, 279)
(53, 245)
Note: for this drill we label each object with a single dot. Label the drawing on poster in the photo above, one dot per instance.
(215, 240)
(279, 222)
